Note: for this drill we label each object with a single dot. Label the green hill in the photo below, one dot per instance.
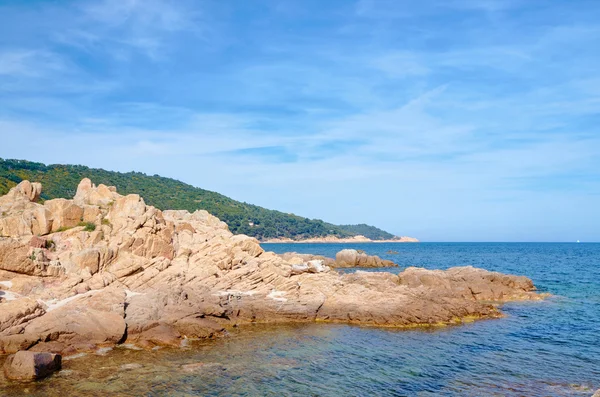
(165, 193)
(368, 231)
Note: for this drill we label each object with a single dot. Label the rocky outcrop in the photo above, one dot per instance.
(345, 258)
(354, 258)
(155, 278)
(27, 366)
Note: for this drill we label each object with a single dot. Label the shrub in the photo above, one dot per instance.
(87, 226)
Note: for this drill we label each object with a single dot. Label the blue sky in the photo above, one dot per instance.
(448, 120)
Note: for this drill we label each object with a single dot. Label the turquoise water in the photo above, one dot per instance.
(549, 348)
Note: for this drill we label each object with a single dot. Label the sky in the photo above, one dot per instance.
(446, 120)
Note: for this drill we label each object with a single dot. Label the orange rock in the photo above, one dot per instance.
(28, 365)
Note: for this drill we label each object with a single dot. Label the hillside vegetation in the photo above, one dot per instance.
(165, 193)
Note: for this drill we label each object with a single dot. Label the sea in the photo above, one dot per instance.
(547, 348)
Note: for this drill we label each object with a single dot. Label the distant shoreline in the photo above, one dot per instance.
(336, 240)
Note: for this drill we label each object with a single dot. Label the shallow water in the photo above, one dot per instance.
(549, 348)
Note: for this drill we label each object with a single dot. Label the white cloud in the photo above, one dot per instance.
(440, 124)
(30, 63)
(141, 25)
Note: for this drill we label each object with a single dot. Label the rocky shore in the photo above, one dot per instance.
(334, 239)
(345, 258)
(105, 269)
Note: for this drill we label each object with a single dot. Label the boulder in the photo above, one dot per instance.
(316, 266)
(161, 335)
(199, 327)
(65, 213)
(354, 258)
(25, 190)
(15, 256)
(90, 195)
(88, 258)
(27, 366)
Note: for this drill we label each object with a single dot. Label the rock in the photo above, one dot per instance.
(157, 277)
(354, 258)
(13, 343)
(18, 312)
(317, 266)
(299, 268)
(89, 195)
(162, 335)
(28, 366)
(199, 327)
(16, 256)
(25, 190)
(91, 318)
(88, 259)
(312, 266)
(597, 393)
(296, 258)
(65, 214)
(37, 242)
(470, 283)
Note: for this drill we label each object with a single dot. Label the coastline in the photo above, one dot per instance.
(130, 274)
(332, 239)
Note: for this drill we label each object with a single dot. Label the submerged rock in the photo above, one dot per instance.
(136, 274)
(27, 366)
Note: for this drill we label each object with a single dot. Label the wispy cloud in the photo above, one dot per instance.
(119, 27)
(29, 63)
(478, 116)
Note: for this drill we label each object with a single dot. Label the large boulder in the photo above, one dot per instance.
(89, 194)
(27, 366)
(65, 213)
(355, 258)
(15, 256)
(24, 191)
